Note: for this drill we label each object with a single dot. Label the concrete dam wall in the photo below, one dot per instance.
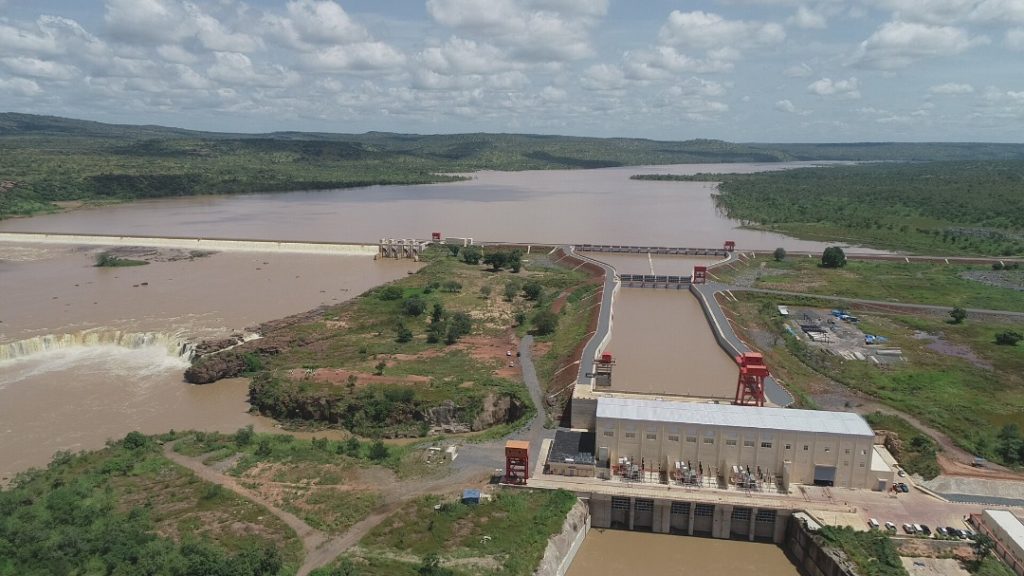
(214, 244)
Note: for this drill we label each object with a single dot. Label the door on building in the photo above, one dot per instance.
(824, 475)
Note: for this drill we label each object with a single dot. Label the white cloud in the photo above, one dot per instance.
(146, 21)
(461, 56)
(323, 22)
(1014, 39)
(838, 88)
(785, 106)
(899, 44)
(176, 54)
(952, 88)
(361, 56)
(603, 77)
(214, 36)
(808, 19)
(536, 30)
(237, 69)
(19, 87)
(708, 31)
(801, 70)
(36, 68)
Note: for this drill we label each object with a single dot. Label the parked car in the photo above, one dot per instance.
(873, 523)
(927, 531)
(903, 487)
(909, 528)
(890, 527)
(941, 531)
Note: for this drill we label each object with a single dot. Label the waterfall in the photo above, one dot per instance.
(175, 344)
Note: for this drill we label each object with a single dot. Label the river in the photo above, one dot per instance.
(75, 396)
(611, 552)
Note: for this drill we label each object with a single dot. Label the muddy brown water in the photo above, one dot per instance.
(662, 344)
(613, 552)
(77, 397)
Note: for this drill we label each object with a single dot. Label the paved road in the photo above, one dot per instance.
(885, 303)
(491, 455)
(772, 389)
(604, 321)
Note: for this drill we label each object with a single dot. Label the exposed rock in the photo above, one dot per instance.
(213, 367)
(498, 410)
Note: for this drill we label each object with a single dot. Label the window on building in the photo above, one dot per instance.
(730, 441)
(709, 439)
(789, 446)
(651, 436)
(806, 447)
(673, 438)
(748, 443)
(691, 439)
(861, 464)
(766, 444)
(609, 433)
(827, 449)
(630, 434)
(846, 462)
(846, 451)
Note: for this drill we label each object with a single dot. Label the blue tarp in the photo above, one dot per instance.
(471, 496)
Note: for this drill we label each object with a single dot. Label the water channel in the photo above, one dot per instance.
(76, 396)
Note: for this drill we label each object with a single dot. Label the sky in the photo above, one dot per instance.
(738, 70)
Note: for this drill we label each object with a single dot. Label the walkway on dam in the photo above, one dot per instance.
(604, 320)
(728, 339)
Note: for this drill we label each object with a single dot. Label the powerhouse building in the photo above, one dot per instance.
(795, 446)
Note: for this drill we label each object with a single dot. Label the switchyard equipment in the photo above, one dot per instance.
(517, 461)
(729, 246)
(750, 385)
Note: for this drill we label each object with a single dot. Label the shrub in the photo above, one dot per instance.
(958, 315)
(414, 306)
(779, 254)
(402, 333)
(533, 291)
(472, 254)
(244, 436)
(1008, 338)
(390, 293)
(135, 440)
(452, 286)
(378, 451)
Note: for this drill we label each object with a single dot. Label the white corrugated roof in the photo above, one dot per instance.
(1010, 523)
(737, 416)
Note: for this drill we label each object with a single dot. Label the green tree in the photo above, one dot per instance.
(390, 292)
(379, 368)
(436, 331)
(352, 446)
(453, 249)
(779, 254)
(472, 255)
(402, 333)
(378, 451)
(496, 260)
(351, 382)
(1008, 338)
(414, 306)
(532, 290)
(511, 289)
(264, 448)
(545, 322)
(135, 440)
(462, 323)
(833, 257)
(452, 286)
(244, 436)
(437, 313)
(1009, 444)
(958, 315)
(515, 261)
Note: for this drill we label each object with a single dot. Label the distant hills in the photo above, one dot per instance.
(49, 158)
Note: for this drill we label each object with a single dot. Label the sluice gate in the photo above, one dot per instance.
(654, 281)
(670, 250)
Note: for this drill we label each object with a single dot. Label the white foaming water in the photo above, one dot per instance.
(144, 365)
(173, 344)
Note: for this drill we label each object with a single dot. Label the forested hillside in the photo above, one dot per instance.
(974, 207)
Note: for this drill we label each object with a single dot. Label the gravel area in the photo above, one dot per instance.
(1013, 279)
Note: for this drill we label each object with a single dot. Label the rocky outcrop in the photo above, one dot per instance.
(213, 367)
(498, 409)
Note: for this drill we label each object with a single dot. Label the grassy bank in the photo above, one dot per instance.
(427, 349)
(897, 282)
(506, 535)
(917, 451)
(871, 552)
(954, 377)
(952, 207)
(127, 508)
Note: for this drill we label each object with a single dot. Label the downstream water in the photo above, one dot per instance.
(76, 397)
(610, 552)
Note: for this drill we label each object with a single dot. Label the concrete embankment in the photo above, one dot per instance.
(562, 547)
(809, 556)
(213, 244)
(730, 342)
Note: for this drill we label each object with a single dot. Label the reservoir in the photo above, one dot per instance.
(77, 395)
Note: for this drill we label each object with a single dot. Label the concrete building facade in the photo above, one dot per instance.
(793, 446)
